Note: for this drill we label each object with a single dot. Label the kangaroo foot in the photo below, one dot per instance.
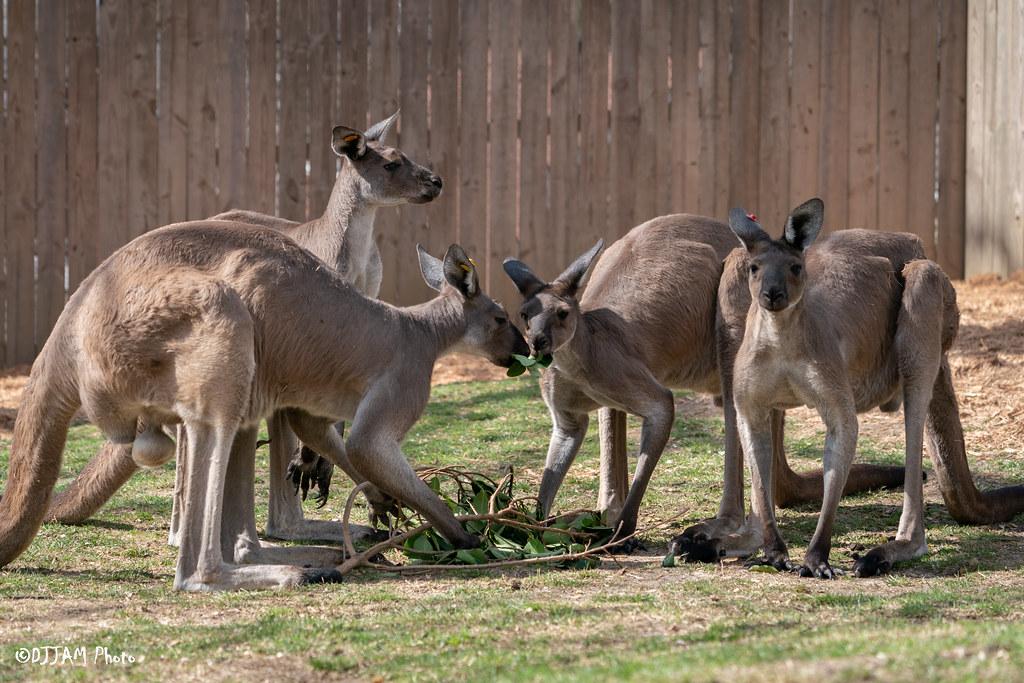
(818, 567)
(881, 559)
(255, 576)
(697, 547)
(307, 469)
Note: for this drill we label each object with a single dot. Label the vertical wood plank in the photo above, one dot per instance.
(715, 27)
(835, 98)
(261, 155)
(472, 195)
(442, 213)
(504, 29)
(595, 155)
(383, 80)
(535, 232)
(651, 147)
(864, 37)
(143, 128)
(51, 168)
(952, 118)
(20, 178)
(173, 107)
(294, 98)
(323, 95)
(352, 106)
(989, 242)
(977, 37)
(773, 180)
(202, 108)
(894, 116)
(744, 142)
(625, 121)
(5, 238)
(685, 113)
(231, 106)
(1015, 119)
(112, 173)
(805, 104)
(923, 97)
(567, 202)
(722, 40)
(412, 96)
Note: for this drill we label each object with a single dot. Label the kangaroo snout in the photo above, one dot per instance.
(540, 344)
(774, 299)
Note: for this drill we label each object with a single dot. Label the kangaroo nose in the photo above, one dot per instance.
(435, 180)
(773, 296)
(540, 344)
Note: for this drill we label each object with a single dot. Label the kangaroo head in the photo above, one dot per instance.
(488, 332)
(776, 267)
(550, 310)
(387, 176)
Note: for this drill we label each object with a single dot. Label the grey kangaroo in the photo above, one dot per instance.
(214, 326)
(373, 175)
(645, 324)
(844, 332)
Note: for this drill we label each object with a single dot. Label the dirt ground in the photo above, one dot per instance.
(987, 361)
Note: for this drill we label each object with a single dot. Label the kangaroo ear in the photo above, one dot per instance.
(746, 227)
(572, 276)
(348, 142)
(804, 224)
(460, 272)
(526, 281)
(377, 131)
(431, 269)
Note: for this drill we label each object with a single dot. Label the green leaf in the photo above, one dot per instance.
(669, 560)
(764, 569)
(555, 537)
(515, 370)
(534, 546)
(474, 556)
(525, 361)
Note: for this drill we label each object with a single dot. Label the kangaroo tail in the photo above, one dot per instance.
(107, 472)
(945, 438)
(40, 430)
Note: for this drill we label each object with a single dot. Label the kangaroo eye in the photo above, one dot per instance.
(524, 317)
(563, 314)
(753, 267)
(500, 319)
(391, 165)
(796, 269)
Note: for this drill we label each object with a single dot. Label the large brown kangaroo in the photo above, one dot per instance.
(373, 175)
(645, 324)
(216, 325)
(843, 332)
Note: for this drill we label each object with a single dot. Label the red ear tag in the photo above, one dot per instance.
(752, 217)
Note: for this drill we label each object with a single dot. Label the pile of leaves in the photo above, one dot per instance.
(512, 531)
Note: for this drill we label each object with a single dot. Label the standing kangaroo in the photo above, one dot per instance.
(843, 332)
(373, 175)
(216, 325)
(645, 324)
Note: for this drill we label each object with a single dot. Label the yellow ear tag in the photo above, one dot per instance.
(474, 263)
(465, 267)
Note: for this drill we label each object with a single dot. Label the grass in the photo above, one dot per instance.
(952, 615)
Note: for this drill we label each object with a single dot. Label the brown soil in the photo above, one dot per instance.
(987, 361)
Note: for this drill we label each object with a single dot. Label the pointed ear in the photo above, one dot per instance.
(431, 269)
(525, 280)
(572, 276)
(377, 131)
(747, 228)
(348, 142)
(460, 272)
(804, 224)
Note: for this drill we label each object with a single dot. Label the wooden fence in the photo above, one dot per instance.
(552, 123)
(995, 137)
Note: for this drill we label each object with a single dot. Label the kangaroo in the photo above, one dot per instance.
(216, 325)
(645, 324)
(843, 332)
(373, 175)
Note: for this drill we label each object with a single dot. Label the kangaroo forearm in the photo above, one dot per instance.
(102, 477)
